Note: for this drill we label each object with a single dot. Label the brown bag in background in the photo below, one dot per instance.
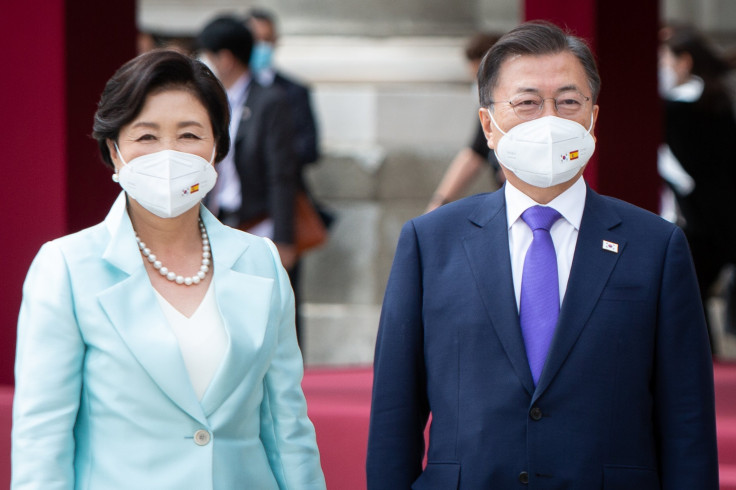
(309, 229)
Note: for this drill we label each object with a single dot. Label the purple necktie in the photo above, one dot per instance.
(539, 306)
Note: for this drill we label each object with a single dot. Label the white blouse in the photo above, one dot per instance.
(202, 338)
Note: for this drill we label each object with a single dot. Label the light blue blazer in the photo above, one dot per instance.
(103, 399)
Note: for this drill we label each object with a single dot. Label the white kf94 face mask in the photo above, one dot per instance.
(547, 151)
(167, 183)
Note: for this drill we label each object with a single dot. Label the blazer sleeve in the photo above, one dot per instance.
(399, 409)
(286, 431)
(48, 377)
(683, 380)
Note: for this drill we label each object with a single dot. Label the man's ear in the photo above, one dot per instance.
(225, 61)
(485, 122)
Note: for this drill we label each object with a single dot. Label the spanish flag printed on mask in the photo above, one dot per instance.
(195, 187)
(574, 155)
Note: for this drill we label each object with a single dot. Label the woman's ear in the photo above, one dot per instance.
(114, 154)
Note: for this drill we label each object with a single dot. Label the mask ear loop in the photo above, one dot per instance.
(591, 123)
(115, 176)
(494, 122)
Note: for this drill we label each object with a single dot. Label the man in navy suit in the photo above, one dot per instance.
(555, 336)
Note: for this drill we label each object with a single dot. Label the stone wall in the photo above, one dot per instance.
(394, 103)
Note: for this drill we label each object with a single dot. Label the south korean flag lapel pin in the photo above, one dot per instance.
(610, 246)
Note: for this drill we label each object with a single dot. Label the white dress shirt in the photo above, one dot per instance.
(202, 338)
(564, 232)
(226, 195)
(267, 76)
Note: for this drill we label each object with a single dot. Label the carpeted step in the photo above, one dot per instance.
(728, 476)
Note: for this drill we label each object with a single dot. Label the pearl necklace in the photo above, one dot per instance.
(172, 276)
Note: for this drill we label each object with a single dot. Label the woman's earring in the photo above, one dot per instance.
(115, 177)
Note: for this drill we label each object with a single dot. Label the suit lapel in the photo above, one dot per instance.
(247, 113)
(591, 267)
(244, 302)
(488, 252)
(146, 332)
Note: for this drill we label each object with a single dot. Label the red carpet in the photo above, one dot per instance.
(725, 379)
(339, 405)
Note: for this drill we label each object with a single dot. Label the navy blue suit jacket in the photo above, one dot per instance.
(625, 400)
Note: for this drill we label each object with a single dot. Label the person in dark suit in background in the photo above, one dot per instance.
(698, 159)
(257, 185)
(262, 24)
(556, 336)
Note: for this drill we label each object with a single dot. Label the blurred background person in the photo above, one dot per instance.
(137, 362)
(263, 26)
(258, 179)
(698, 159)
(468, 162)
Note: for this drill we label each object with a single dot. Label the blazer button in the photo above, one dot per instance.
(524, 477)
(535, 413)
(201, 437)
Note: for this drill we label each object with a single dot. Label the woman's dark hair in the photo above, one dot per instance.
(535, 38)
(126, 92)
(707, 64)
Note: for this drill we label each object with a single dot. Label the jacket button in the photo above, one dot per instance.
(536, 413)
(524, 477)
(201, 437)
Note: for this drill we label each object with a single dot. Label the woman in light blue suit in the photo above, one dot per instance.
(157, 349)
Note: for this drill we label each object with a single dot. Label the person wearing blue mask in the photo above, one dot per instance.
(262, 25)
(555, 336)
(305, 142)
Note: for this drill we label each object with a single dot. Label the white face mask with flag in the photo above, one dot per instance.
(167, 183)
(547, 151)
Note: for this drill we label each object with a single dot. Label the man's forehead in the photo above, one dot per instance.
(528, 73)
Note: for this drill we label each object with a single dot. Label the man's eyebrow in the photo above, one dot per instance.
(533, 90)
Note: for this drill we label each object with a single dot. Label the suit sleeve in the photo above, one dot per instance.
(399, 409)
(683, 382)
(286, 431)
(282, 168)
(48, 378)
(305, 128)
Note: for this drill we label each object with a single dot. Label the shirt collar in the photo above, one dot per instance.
(569, 204)
(236, 92)
(689, 91)
(267, 76)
